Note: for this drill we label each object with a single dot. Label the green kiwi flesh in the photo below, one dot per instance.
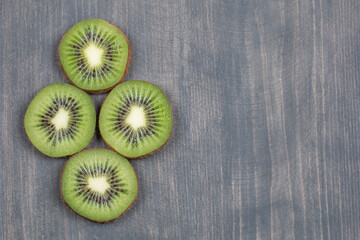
(60, 120)
(135, 119)
(94, 55)
(98, 184)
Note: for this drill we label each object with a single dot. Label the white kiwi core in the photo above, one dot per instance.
(61, 119)
(93, 55)
(98, 184)
(136, 119)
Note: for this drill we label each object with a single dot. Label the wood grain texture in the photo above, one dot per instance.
(265, 95)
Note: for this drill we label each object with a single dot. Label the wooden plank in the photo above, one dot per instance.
(265, 97)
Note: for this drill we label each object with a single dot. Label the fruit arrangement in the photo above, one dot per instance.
(135, 120)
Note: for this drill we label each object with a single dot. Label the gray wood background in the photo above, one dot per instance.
(265, 95)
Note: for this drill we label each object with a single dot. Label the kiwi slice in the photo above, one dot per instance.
(98, 184)
(95, 55)
(60, 120)
(135, 119)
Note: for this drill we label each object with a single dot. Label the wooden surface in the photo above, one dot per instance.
(265, 95)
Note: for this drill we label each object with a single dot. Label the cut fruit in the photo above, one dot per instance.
(98, 184)
(95, 55)
(60, 120)
(136, 119)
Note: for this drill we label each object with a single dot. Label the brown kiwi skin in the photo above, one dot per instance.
(109, 88)
(142, 156)
(39, 149)
(62, 197)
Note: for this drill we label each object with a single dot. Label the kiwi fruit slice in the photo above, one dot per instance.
(94, 55)
(98, 184)
(60, 120)
(135, 119)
